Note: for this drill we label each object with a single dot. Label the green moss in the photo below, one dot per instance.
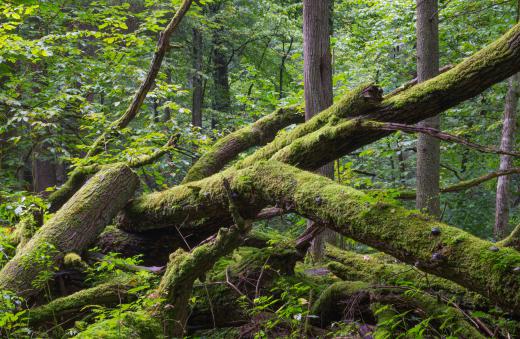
(351, 104)
(106, 294)
(129, 325)
(257, 134)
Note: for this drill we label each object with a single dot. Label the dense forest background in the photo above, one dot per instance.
(68, 69)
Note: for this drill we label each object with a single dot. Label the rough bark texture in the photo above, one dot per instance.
(71, 229)
(507, 144)
(198, 91)
(317, 74)
(428, 148)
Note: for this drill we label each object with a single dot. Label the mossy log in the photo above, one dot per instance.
(184, 268)
(313, 146)
(332, 302)
(493, 64)
(258, 134)
(478, 265)
(380, 269)
(71, 229)
(106, 294)
(384, 270)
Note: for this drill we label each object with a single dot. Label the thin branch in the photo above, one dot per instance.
(146, 85)
(464, 185)
(435, 133)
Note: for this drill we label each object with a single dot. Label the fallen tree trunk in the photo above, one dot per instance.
(471, 77)
(476, 264)
(331, 134)
(71, 229)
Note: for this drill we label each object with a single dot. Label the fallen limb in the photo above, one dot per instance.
(476, 264)
(513, 240)
(259, 133)
(335, 299)
(106, 294)
(183, 204)
(373, 269)
(72, 229)
(184, 268)
(471, 77)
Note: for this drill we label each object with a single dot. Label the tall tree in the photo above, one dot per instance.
(507, 143)
(428, 148)
(221, 101)
(198, 91)
(317, 76)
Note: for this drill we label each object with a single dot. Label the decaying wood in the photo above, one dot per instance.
(72, 229)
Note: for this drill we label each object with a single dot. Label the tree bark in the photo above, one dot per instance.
(221, 97)
(317, 74)
(428, 148)
(198, 96)
(71, 229)
(507, 144)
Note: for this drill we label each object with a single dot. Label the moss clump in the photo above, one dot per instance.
(129, 325)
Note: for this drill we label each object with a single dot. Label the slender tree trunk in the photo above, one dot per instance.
(43, 173)
(507, 143)
(317, 77)
(428, 148)
(221, 96)
(197, 99)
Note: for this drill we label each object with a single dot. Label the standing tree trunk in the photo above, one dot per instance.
(317, 77)
(506, 144)
(43, 173)
(198, 97)
(221, 98)
(428, 148)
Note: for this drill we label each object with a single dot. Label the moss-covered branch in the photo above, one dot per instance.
(382, 270)
(106, 294)
(184, 268)
(476, 264)
(471, 77)
(257, 134)
(332, 301)
(71, 229)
